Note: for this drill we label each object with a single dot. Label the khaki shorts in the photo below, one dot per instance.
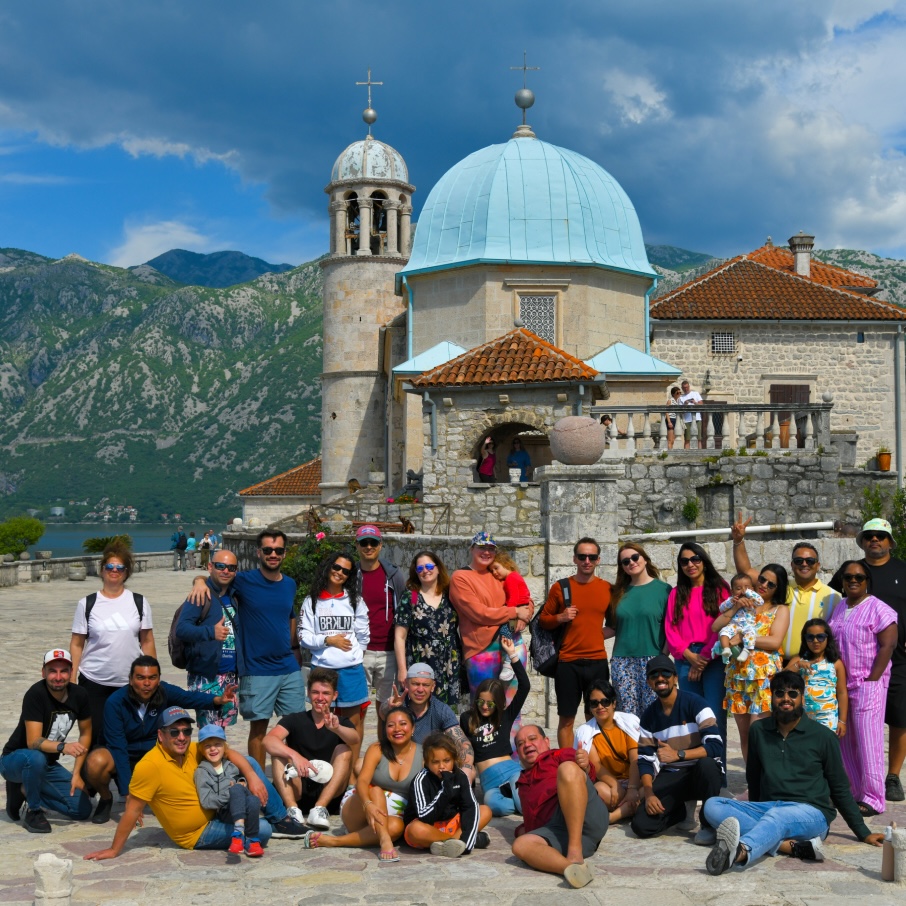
(380, 673)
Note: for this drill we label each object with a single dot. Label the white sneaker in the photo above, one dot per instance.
(318, 817)
(506, 672)
(296, 814)
(450, 848)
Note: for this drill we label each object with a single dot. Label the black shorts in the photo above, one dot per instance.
(594, 827)
(310, 793)
(572, 679)
(895, 713)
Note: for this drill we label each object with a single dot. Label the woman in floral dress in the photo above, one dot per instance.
(427, 627)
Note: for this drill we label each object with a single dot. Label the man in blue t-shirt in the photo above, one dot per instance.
(270, 680)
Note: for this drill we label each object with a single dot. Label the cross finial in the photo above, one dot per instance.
(524, 97)
(524, 67)
(369, 114)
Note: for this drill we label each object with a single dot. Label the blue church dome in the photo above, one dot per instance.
(528, 201)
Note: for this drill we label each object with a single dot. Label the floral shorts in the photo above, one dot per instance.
(225, 716)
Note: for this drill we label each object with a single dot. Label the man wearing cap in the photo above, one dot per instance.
(165, 780)
(577, 606)
(30, 762)
(796, 779)
(132, 715)
(888, 582)
(679, 733)
(431, 714)
(381, 586)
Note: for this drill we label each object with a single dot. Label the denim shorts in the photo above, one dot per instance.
(260, 697)
(352, 687)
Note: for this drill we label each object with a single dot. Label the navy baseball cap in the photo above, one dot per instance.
(172, 714)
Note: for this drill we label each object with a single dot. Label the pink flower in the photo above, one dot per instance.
(320, 536)
(389, 500)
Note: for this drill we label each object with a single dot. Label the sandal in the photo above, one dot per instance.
(310, 840)
(866, 810)
(388, 855)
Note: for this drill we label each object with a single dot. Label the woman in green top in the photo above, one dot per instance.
(638, 603)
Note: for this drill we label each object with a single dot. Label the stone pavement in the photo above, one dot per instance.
(669, 871)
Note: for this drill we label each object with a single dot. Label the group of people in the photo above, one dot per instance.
(781, 656)
(185, 547)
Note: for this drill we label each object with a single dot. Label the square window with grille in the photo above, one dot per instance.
(538, 314)
(723, 343)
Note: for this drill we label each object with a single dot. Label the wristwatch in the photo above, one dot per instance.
(681, 754)
(60, 747)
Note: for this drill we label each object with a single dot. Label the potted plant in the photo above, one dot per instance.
(884, 459)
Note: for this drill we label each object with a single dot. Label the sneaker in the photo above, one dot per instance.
(35, 822)
(706, 836)
(688, 823)
(809, 850)
(236, 844)
(102, 812)
(289, 772)
(287, 829)
(450, 848)
(296, 814)
(724, 850)
(318, 818)
(893, 789)
(506, 673)
(15, 799)
(253, 849)
(482, 840)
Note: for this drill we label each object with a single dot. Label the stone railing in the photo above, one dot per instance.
(761, 426)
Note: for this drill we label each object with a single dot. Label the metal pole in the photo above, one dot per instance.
(750, 530)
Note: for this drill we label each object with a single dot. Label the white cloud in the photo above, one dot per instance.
(141, 242)
(35, 179)
(158, 147)
(636, 96)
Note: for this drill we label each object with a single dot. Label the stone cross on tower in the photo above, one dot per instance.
(369, 114)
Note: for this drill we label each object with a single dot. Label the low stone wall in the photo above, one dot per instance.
(57, 568)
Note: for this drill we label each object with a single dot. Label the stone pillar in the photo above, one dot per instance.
(53, 880)
(365, 206)
(405, 230)
(338, 228)
(392, 209)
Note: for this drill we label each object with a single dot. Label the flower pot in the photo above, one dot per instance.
(77, 572)
(884, 462)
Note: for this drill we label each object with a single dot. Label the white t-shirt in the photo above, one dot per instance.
(690, 399)
(112, 644)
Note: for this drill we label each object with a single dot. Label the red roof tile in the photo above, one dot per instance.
(781, 259)
(746, 289)
(519, 357)
(302, 481)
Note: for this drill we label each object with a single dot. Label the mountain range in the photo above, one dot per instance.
(133, 386)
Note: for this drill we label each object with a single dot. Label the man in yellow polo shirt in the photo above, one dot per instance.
(165, 780)
(809, 598)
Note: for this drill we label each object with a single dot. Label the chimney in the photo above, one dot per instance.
(801, 246)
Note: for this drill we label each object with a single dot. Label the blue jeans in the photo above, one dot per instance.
(492, 779)
(764, 826)
(711, 687)
(217, 834)
(46, 785)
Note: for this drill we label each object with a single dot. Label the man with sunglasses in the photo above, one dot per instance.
(210, 640)
(270, 678)
(809, 598)
(888, 582)
(796, 785)
(582, 658)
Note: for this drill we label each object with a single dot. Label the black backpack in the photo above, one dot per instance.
(179, 656)
(544, 646)
(92, 599)
(182, 542)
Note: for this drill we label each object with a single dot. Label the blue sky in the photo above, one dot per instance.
(127, 129)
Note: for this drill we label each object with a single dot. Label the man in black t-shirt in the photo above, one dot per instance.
(30, 761)
(306, 736)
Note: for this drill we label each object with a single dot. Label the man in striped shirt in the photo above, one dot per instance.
(679, 733)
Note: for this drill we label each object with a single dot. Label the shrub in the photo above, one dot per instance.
(874, 504)
(302, 560)
(99, 545)
(691, 510)
(18, 533)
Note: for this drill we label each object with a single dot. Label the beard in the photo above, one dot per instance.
(789, 717)
(663, 693)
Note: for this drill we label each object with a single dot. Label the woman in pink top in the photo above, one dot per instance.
(866, 632)
(691, 609)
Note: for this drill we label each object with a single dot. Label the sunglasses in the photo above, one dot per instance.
(767, 583)
(368, 544)
(600, 703)
(874, 536)
(633, 558)
(482, 703)
(279, 551)
(114, 568)
(427, 568)
(591, 558)
(854, 577)
(176, 732)
(816, 636)
(336, 568)
(786, 693)
(661, 674)
(229, 567)
(685, 561)
(804, 561)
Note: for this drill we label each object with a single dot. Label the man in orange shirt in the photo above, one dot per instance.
(582, 658)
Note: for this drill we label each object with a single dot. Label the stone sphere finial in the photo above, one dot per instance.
(577, 440)
(827, 396)
(369, 115)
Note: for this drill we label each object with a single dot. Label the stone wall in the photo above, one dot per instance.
(272, 509)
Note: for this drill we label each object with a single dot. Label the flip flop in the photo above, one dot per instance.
(578, 874)
(310, 840)
(320, 771)
(866, 810)
(388, 855)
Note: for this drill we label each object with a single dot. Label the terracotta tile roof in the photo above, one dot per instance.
(302, 481)
(519, 357)
(781, 259)
(745, 289)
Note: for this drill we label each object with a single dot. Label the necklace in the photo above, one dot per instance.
(402, 755)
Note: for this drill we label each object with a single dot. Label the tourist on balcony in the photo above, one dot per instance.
(487, 461)
(638, 604)
(672, 418)
(519, 459)
(690, 397)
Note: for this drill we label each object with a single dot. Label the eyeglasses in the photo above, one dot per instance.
(229, 567)
(816, 636)
(854, 577)
(600, 703)
(279, 551)
(786, 693)
(336, 568)
(634, 558)
(114, 568)
(874, 536)
(426, 568)
(685, 561)
(660, 674)
(368, 543)
(591, 558)
(804, 561)
(484, 703)
(486, 548)
(176, 732)
(767, 583)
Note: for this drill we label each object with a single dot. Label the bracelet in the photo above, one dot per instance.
(737, 543)
(632, 788)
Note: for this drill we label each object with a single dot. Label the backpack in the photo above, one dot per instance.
(182, 542)
(544, 645)
(92, 599)
(179, 657)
